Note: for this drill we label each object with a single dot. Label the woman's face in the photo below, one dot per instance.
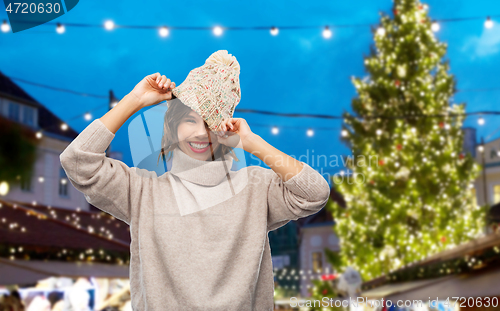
(194, 138)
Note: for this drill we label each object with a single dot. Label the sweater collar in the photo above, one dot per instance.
(206, 173)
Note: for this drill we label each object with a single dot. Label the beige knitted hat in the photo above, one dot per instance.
(212, 90)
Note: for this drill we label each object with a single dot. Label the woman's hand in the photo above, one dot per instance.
(238, 133)
(153, 89)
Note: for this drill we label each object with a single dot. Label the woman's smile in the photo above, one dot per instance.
(199, 146)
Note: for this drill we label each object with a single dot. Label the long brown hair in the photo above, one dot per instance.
(173, 117)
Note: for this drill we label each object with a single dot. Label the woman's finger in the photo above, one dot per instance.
(167, 84)
(154, 76)
(163, 79)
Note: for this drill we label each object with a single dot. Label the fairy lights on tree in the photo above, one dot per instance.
(408, 190)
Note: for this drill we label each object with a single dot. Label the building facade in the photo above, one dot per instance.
(48, 184)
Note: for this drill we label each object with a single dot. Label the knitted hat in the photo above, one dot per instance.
(212, 90)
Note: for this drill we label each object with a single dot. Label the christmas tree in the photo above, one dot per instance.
(408, 186)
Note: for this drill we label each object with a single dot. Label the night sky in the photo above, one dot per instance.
(297, 71)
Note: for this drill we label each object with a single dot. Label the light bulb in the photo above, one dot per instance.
(275, 130)
(488, 23)
(435, 26)
(480, 121)
(327, 33)
(217, 30)
(163, 31)
(4, 188)
(5, 26)
(60, 28)
(274, 31)
(109, 25)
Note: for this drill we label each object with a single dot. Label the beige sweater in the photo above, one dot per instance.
(199, 235)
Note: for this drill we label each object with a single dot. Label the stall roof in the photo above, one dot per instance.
(475, 246)
(481, 283)
(33, 227)
(402, 287)
(31, 271)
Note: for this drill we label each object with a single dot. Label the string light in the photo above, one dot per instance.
(163, 31)
(310, 132)
(381, 31)
(275, 130)
(327, 33)
(217, 30)
(480, 121)
(109, 25)
(4, 188)
(488, 23)
(88, 116)
(5, 26)
(435, 26)
(60, 28)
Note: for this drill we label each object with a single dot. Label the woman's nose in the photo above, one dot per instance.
(201, 130)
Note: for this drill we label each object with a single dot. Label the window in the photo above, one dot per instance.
(473, 198)
(26, 184)
(317, 261)
(63, 183)
(14, 111)
(29, 115)
(496, 194)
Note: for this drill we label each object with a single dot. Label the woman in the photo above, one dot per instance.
(191, 248)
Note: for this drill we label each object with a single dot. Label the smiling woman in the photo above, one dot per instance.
(199, 232)
(186, 129)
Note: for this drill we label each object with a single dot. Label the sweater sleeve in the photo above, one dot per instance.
(105, 182)
(302, 195)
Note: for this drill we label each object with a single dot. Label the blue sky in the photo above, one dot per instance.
(297, 71)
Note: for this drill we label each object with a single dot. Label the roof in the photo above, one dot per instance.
(471, 248)
(45, 232)
(400, 287)
(47, 121)
(95, 218)
(482, 283)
